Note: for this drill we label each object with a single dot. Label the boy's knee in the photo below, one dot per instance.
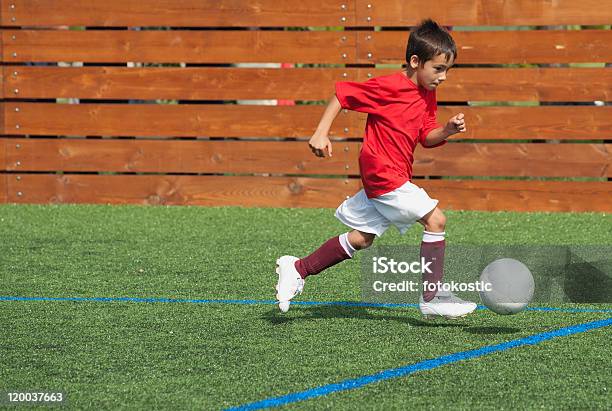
(436, 221)
(360, 240)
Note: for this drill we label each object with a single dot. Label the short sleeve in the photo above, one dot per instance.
(430, 123)
(364, 97)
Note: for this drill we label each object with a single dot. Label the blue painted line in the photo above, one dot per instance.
(137, 300)
(420, 366)
(269, 302)
(570, 310)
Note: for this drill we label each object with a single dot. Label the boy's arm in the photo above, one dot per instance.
(436, 136)
(320, 140)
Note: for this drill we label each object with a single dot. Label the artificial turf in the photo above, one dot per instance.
(212, 356)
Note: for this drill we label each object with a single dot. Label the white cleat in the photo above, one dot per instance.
(290, 282)
(445, 304)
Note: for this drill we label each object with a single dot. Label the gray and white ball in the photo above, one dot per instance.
(511, 286)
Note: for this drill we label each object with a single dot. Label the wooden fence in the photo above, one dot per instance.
(205, 150)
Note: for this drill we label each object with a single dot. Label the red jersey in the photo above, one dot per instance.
(400, 115)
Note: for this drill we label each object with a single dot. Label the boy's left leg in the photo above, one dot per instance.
(292, 270)
(334, 251)
(356, 212)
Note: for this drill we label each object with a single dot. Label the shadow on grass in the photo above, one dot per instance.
(322, 312)
(491, 330)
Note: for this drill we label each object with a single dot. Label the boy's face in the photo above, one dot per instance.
(431, 74)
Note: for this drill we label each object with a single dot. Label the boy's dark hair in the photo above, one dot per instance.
(427, 40)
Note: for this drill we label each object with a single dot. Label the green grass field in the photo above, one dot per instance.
(145, 355)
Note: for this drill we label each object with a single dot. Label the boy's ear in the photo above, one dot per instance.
(414, 61)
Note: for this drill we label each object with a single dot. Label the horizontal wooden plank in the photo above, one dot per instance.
(154, 46)
(178, 13)
(252, 121)
(2, 108)
(300, 192)
(323, 47)
(461, 159)
(194, 13)
(3, 161)
(521, 195)
(189, 83)
(3, 188)
(524, 160)
(219, 83)
(499, 47)
(540, 122)
(530, 84)
(482, 13)
(167, 120)
(180, 190)
(177, 156)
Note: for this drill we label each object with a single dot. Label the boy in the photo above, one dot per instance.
(401, 111)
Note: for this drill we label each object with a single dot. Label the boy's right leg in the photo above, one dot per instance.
(405, 206)
(438, 303)
(292, 271)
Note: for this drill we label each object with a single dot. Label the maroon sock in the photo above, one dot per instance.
(329, 254)
(433, 252)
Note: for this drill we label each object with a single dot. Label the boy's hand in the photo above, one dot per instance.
(319, 143)
(455, 125)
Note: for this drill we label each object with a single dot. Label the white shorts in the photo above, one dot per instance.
(401, 207)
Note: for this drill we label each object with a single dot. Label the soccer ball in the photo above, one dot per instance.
(511, 286)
